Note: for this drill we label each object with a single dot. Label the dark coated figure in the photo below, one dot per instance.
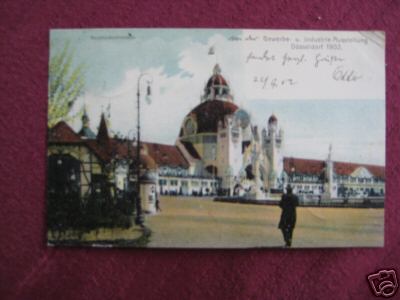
(288, 204)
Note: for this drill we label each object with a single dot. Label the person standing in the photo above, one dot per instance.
(288, 204)
(158, 208)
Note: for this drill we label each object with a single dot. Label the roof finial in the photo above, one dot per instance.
(102, 134)
(330, 152)
(85, 131)
(217, 69)
(85, 117)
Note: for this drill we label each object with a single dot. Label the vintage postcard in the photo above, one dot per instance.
(216, 138)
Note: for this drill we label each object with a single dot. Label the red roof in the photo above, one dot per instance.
(209, 113)
(216, 79)
(316, 167)
(166, 155)
(303, 166)
(344, 168)
(61, 132)
(103, 147)
(122, 149)
(272, 119)
(100, 151)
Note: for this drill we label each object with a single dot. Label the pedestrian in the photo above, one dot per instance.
(288, 204)
(158, 208)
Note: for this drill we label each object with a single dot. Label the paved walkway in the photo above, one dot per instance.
(203, 223)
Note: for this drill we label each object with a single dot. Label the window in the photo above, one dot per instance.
(209, 139)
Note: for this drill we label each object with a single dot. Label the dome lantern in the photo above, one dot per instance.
(217, 88)
(272, 119)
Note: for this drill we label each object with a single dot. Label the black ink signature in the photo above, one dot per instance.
(329, 59)
(342, 74)
(296, 59)
(264, 57)
(235, 38)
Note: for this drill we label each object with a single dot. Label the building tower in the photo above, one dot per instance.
(229, 151)
(85, 131)
(329, 186)
(217, 88)
(272, 144)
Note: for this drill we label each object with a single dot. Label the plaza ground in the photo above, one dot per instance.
(120, 237)
(203, 223)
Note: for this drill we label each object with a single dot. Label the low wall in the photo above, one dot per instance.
(372, 202)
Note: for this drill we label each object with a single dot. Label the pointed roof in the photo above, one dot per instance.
(102, 135)
(85, 131)
(216, 78)
(61, 132)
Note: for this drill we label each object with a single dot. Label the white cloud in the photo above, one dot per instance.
(175, 95)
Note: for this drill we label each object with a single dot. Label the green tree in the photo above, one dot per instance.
(66, 84)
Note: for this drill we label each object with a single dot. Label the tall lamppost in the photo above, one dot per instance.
(292, 173)
(139, 216)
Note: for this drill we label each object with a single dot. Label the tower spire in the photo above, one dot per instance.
(217, 69)
(217, 87)
(85, 131)
(102, 135)
(85, 117)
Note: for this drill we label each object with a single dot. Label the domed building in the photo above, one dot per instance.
(224, 148)
(218, 151)
(219, 137)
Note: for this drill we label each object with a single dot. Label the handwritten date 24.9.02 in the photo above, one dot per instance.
(271, 82)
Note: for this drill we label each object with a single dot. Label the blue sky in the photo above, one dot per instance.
(356, 129)
(314, 113)
(107, 60)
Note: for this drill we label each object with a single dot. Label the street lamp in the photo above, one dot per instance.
(229, 174)
(139, 216)
(292, 172)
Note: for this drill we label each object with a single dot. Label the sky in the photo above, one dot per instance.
(320, 96)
